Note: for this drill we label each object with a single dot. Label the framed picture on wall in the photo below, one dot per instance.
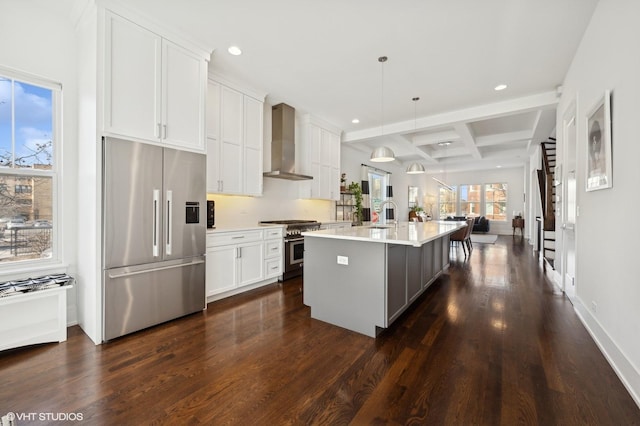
(599, 162)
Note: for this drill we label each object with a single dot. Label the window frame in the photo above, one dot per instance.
(55, 261)
(483, 200)
(456, 195)
(486, 202)
(480, 202)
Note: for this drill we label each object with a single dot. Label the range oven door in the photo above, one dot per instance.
(293, 257)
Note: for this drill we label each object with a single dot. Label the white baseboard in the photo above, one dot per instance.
(625, 370)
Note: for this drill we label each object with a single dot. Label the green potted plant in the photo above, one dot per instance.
(356, 191)
(343, 182)
(416, 211)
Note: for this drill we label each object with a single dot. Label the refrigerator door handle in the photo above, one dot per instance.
(162, 268)
(156, 222)
(169, 220)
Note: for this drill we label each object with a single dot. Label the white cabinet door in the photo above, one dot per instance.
(234, 141)
(213, 136)
(250, 258)
(221, 269)
(321, 159)
(154, 89)
(315, 133)
(334, 141)
(253, 146)
(183, 77)
(231, 129)
(132, 75)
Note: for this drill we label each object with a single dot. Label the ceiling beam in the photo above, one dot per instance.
(546, 100)
(502, 138)
(468, 139)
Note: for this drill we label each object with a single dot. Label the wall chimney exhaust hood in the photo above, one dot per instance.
(283, 147)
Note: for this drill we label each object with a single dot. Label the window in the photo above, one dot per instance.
(470, 200)
(447, 202)
(496, 201)
(28, 123)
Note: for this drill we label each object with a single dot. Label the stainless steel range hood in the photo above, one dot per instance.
(283, 148)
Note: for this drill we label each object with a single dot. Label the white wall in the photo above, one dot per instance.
(605, 231)
(38, 38)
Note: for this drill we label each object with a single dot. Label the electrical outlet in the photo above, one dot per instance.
(343, 260)
(594, 306)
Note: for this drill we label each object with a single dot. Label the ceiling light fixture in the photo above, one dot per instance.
(234, 50)
(382, 153)
(500, 87)
(355, 121)
(415, 168)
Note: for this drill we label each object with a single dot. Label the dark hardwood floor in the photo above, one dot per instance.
(489, 343)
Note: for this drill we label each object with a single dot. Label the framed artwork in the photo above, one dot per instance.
(599, 162)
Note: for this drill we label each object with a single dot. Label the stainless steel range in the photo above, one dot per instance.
(293, 244)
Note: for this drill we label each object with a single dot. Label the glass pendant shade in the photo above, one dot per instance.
(415, 168)
(382, 154)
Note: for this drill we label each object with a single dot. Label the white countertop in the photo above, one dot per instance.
(407, 233)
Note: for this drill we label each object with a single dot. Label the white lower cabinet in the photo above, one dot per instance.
(240, 260)
(250, 263)
(273, 246)
(221, 271)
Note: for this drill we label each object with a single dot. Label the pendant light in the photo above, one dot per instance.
(382, 153)
(415, 168)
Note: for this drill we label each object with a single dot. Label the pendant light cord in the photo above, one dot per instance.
(382, 60)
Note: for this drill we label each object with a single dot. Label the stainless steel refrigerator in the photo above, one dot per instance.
(154, 231)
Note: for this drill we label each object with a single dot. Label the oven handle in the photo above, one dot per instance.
(293, 240)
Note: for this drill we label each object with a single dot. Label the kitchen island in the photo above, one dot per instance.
(362, 278)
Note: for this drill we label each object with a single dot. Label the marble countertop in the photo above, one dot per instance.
(407, 233)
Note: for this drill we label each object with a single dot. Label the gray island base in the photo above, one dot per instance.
(363, 278)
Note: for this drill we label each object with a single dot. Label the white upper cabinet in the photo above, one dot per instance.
(234, 141)
(253, 141)
(320, 156)
(154, 89)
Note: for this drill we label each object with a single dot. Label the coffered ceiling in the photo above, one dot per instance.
(321, 57)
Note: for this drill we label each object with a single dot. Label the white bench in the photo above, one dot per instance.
(34, 317)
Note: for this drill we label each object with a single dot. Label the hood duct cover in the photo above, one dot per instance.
(283, 147)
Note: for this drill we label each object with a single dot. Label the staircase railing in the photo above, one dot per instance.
(547, 198)
(549, 164)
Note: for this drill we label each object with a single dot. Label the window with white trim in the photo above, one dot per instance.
(447, 202)
(489, 200)
(495, 195)
(471, 200)
(29, 119)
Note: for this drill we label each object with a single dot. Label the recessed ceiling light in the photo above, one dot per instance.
(498, 166)
(445, 143)
(234, 50)
(355, 121)
(500, 87)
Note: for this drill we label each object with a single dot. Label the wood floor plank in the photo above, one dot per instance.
(491, 342)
